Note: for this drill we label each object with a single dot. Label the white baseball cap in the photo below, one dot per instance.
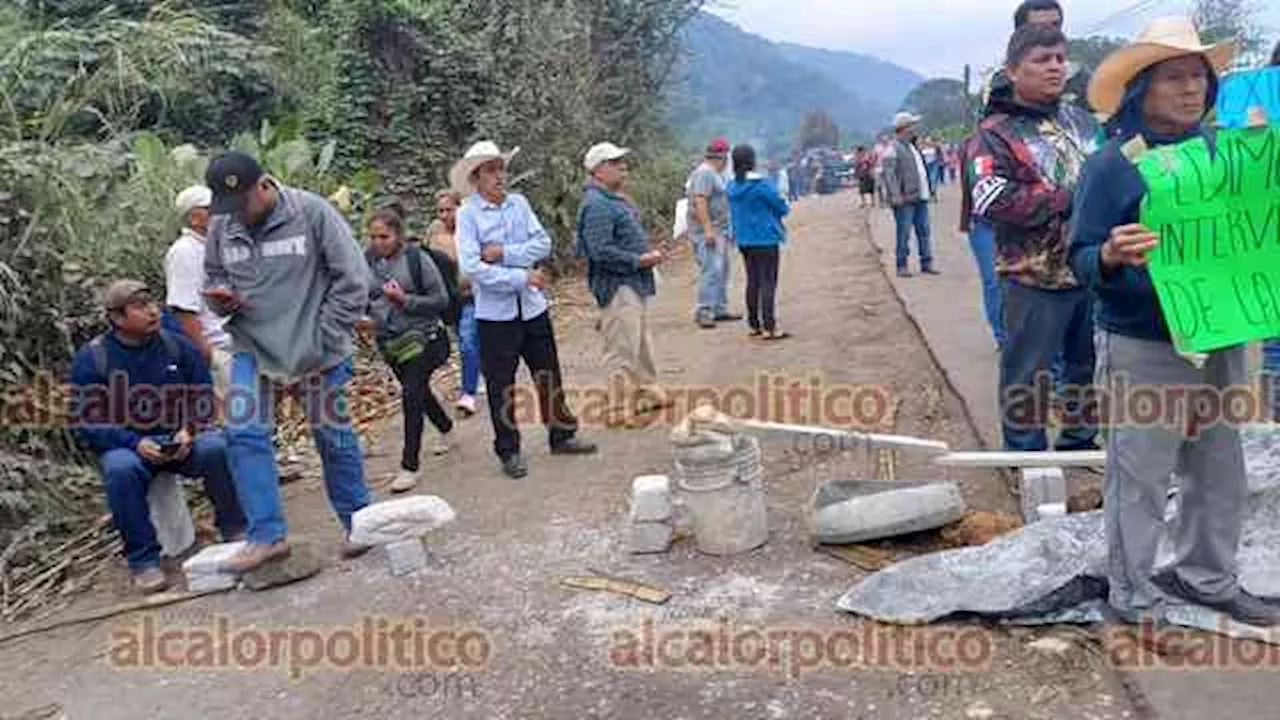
(603, 153)
(196, 196)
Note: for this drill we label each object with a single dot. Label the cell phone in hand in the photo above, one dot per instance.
(169, 445)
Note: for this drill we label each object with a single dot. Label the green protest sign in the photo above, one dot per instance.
(1216, 269)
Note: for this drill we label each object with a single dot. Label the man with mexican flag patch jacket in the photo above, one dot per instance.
(1026, 160)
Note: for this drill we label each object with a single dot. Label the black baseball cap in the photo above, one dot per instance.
(231, 176)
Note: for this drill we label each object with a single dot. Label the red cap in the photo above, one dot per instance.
(718, 147)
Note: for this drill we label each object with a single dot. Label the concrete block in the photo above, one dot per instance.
(1041, 486)
(209, 559)
(651, 499)
(851, 511)
(211, 582)
(170, 515)
(406, 556)
(649, 537)
(401, 519)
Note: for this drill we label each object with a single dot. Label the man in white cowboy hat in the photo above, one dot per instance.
(906, 181)
(620, 273)
(500, 243)
(1158, 90)
(184, 285)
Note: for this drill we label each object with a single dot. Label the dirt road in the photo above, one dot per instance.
(551, 652)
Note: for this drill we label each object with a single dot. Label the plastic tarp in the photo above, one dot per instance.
(1054, 571)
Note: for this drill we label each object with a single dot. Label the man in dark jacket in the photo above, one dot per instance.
(620, 272)
(1026, 161)
(163, 426)
(1158, 91)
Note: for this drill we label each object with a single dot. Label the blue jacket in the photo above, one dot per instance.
(756, 210)
(1110, 193)
(109, 412)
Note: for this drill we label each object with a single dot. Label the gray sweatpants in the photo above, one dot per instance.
(1141, 458)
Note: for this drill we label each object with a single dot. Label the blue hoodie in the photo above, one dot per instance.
(756, 210)
(1109, 194)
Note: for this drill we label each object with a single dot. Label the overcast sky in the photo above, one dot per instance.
(937, 37)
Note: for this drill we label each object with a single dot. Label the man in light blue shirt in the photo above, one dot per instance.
(500, 242)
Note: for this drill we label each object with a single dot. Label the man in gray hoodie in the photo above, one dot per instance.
(281, 263)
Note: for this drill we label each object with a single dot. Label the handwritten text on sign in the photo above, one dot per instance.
(1217, 268)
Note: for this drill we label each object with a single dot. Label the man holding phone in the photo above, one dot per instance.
(163, 425)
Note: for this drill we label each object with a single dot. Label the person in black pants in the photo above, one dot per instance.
(408, 296)
(756, 210)
(500, 243)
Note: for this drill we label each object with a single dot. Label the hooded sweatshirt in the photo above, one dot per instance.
(756, 210)
(1110, 194)
(302, 279)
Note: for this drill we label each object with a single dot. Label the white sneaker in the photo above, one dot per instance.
(441, 445)
(405, 481)
(466, 405)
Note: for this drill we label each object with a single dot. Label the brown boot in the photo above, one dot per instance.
(253, 555)
(150, 580)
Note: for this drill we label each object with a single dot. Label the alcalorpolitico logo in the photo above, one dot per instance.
(375, 643)
(792, 651)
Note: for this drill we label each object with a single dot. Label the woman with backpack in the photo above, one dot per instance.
(407, 298)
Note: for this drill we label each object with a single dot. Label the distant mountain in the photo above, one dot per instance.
(866, 76)
(733, 82)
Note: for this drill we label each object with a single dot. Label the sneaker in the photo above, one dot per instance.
(904, 273)
(930, 271)
(405, 481)
(513, 466)
(706, 323)
(253, 555)
(728, 317)
(151, 580)
(574, 446)
(353, 549)
(441, 445)
(466, 405)
(1243, 606)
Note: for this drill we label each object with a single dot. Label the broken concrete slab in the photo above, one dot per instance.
(651, 499)
(302, 562)
(649, 537)
(400, 519)
(854, 511)
(406, 556)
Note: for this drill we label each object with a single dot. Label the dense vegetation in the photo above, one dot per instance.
(107, 109)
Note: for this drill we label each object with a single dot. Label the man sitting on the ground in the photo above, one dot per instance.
(158, 429)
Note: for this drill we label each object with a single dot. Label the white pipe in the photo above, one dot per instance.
(1002, 459)
(873, 440)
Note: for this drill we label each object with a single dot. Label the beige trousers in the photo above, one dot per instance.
(628, 351)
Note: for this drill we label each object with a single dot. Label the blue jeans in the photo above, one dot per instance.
(906, 217)
(1040, 324)
(982, 241)
(250, 411)
(713, 278)
(469, 348)
(127, 478)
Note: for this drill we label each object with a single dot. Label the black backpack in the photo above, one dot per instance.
(448, 271)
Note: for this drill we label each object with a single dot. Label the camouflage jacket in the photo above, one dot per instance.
(1025, 163)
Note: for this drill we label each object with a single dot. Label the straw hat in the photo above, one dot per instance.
(1164, 39)
(905, 119)
(477, 155)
